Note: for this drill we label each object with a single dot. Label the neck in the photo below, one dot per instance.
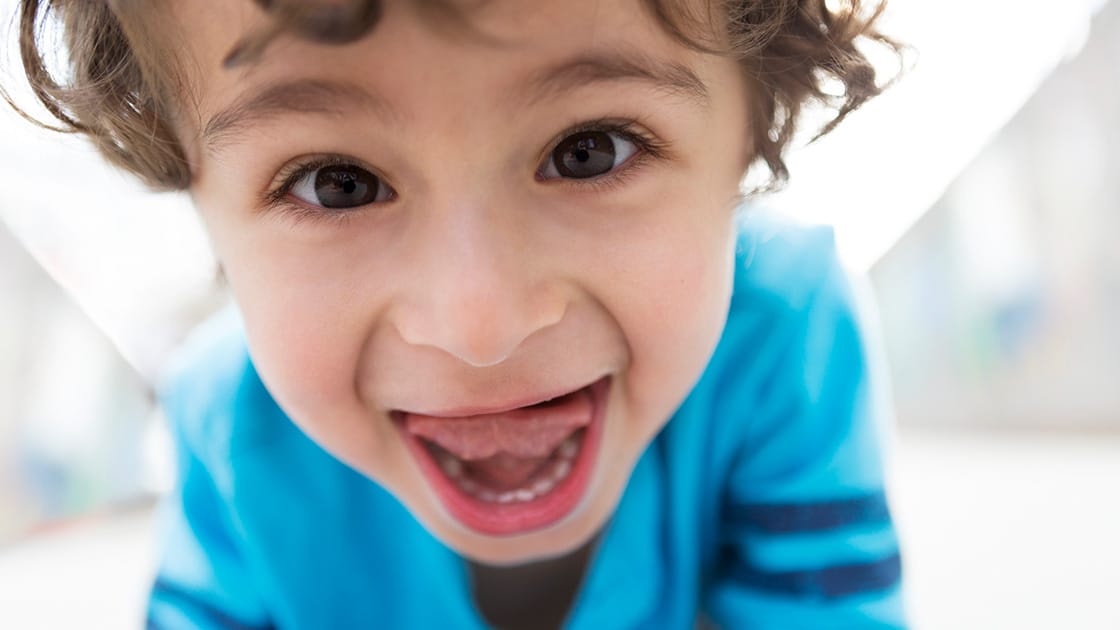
(530, 595)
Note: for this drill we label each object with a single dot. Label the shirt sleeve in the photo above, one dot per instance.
(202, 581)
(807, 539)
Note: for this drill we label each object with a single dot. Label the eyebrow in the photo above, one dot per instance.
(332, 98)
(302, 96)
(620, 65)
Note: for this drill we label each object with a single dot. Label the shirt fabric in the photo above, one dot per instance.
(759, 505)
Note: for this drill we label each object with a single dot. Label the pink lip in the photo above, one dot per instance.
(479, 410)
(508, 519)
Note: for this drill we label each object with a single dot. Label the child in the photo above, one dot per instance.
(505, 353)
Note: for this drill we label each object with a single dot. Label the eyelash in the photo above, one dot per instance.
(649, 148)
(289, 176)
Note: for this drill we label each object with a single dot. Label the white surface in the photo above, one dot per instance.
(1010, 531)
(1015, 532)
(93, 577)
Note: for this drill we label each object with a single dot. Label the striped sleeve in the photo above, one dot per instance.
(806, 534)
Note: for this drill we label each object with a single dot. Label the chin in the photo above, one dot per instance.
(545, 544)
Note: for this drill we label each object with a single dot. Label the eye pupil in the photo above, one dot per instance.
(345, 186)
(585, 154)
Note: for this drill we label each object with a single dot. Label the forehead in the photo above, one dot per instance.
(505, 45)
(500, 23)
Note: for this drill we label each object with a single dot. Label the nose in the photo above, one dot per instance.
(476, 292)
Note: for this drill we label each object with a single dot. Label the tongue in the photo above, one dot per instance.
(528, 433)
(505, 472)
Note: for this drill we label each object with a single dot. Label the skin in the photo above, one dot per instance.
(479, 284)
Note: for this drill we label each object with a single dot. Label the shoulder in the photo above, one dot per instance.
(791, 294)
(214, 400)
(792, 338)
(784, 266)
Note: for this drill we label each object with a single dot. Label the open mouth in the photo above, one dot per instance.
(514, 471)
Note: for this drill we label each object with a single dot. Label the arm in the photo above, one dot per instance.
(202, 581)
(806, 534)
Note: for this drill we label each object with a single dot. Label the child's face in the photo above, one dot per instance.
(542, 210)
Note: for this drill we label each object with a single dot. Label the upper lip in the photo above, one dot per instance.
(467, 410)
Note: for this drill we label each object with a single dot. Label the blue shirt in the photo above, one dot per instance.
(759, 505)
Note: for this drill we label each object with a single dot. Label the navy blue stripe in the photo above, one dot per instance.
(191, 605)
(827, 583)
(786, 518)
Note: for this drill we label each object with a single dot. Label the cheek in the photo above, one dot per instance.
(301, 347)
(679, 301)
(307, 323)
(671, 304)
(299, 314)
(305, 352)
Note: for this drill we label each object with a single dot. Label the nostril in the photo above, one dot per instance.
(481, 337)
(474, 351)
(480, 314)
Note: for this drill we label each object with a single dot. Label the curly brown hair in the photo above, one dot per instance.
(121, 89)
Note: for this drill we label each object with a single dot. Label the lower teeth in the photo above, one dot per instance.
(558, 470)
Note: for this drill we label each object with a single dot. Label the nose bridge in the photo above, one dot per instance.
(474, 294)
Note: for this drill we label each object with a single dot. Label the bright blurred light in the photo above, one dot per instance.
(978, 62)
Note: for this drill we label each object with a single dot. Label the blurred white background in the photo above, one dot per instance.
(979, 193)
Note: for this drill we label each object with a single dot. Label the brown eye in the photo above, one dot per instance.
(588, 154)
(340, 186)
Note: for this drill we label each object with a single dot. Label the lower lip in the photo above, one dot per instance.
(498, 519)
